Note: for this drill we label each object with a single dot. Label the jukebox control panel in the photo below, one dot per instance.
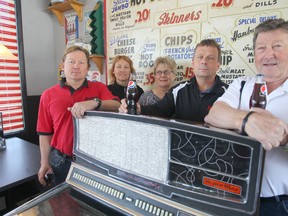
(123, 196)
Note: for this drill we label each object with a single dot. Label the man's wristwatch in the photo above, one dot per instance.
(99, 102)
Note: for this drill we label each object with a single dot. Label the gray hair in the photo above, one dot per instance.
(270, 25)
(166, 60)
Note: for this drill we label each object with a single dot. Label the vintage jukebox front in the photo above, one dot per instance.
(137, 165)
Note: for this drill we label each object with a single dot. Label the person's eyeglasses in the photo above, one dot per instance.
(158, 73)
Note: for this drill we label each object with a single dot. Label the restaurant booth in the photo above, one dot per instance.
(140, 165)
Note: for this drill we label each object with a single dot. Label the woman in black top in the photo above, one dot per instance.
(122, 67)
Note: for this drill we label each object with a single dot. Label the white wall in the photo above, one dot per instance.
(39, 52)
(44, 44)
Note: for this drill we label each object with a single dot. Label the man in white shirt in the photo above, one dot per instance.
(269, 126)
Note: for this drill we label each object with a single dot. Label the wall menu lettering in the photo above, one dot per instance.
(146, 29)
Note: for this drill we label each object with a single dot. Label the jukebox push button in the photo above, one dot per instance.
(147, 206)
(140, 203)
(151, 208)
(130, 199)
(136, 202)
(115, 193)
(106, 188)
(143, 205)
(154, 210)
(112, 191)
(121, 195)
(158, 211)
(101, 187)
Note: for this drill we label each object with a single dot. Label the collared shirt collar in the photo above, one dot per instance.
(285, 85)
(72, 90)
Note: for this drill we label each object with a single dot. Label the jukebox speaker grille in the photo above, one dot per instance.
(125, 145)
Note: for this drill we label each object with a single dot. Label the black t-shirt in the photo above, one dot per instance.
(120, 91)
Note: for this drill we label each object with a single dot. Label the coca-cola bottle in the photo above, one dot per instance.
(132, 95)
(258, 97)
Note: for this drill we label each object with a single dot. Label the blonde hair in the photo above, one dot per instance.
(166, 60)
(76, 48)
(114, 61)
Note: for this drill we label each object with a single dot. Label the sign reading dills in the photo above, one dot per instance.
(147, 29)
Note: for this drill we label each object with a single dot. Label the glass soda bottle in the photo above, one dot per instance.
(132, 95)
(258, 97)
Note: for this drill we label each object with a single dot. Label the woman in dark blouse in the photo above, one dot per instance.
(122, 68)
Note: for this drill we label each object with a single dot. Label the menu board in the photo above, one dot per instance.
(147, 29)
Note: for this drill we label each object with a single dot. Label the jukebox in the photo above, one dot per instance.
(137, 165)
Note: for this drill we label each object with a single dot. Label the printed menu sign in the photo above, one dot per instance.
(147, 29)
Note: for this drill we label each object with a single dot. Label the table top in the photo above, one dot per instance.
(19, 163)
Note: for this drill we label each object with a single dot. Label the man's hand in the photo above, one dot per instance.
(123, 106)
(266, 128)
(79, 108)
(45, 168)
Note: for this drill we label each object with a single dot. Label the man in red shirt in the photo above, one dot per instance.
(72, 96)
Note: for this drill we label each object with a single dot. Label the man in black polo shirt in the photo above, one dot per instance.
(191, 100)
